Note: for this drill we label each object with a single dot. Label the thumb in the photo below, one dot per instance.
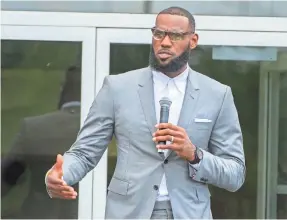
(59, 163)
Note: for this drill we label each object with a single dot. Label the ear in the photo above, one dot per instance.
(193, 41)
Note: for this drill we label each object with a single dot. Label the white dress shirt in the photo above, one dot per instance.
(174, 89)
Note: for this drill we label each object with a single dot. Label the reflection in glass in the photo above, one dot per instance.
(40, 107)
(282, 142)
(281, 206)
(243, 77)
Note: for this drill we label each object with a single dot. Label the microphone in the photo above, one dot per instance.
(164, 115)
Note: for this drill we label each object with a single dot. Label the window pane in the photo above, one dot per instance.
(282, 143)
(40, 107)
(282, 206)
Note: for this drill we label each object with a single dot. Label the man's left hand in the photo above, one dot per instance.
(180, 142)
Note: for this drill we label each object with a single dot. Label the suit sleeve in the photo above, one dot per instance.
(13, 165)
(224, 164)
(93, 137)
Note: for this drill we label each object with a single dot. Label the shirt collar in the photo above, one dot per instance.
(161, 79)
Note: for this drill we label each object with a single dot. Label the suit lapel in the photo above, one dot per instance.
(189, 101)
(146, 94)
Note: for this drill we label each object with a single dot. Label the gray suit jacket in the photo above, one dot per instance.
(124, 107)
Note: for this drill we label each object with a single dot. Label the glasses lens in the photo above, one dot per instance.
(176, 36)
(158, 34)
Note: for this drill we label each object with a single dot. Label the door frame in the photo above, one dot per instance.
(271, 74)
(87, 37)
(128, 20)
(107, 36)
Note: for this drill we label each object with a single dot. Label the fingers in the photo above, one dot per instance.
(63, 194)
(59, 187)
(167, 138)
(61, 191)
(174, 147)
(54, 182)
(169, 132)
(169, 126)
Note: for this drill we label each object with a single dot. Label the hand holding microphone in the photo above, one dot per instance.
(180, 142)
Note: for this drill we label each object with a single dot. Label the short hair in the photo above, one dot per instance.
(181, 12)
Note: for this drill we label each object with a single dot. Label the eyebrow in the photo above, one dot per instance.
(171, 30)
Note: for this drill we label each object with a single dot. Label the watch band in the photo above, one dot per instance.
(197, 156)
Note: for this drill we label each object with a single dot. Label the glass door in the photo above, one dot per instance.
(232, 57)
(277, 149)
(47, 87)
(277, 187)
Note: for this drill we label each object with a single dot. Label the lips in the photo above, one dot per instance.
(164, 54)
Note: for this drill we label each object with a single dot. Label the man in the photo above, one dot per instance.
(204, 139)
(34, 149)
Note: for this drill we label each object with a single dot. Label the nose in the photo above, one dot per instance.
(166, 42)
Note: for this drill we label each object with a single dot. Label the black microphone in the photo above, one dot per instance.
(164, 115)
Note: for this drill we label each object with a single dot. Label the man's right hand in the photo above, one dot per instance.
(56, 186)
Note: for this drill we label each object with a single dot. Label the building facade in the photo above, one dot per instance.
(242, 44)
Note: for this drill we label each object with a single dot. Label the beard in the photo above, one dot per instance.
(174, 65)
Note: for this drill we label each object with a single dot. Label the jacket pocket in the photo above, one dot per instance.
(202, 125)
(118, 186)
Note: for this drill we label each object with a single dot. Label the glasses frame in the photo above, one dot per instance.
(169, 33)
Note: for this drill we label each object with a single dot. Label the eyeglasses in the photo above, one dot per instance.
(173, 36)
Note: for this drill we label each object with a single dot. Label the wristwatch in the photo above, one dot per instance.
(198, 155)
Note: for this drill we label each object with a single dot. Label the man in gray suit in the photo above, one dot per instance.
(204, 139)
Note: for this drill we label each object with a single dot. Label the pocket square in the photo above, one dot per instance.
(202, 120)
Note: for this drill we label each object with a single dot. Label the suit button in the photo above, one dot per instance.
(155, 187)
(203, 179)
(166, 161)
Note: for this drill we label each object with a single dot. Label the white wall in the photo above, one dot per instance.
(234, 8)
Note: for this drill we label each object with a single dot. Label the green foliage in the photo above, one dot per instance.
(39, 55)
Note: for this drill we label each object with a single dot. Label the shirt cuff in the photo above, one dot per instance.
(195, 170)
(196, 166)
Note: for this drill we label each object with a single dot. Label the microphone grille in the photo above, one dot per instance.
(165, 101)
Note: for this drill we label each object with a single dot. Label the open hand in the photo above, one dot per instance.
(56, 186)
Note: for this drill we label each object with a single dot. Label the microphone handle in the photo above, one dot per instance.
(161, 151)
(164, 115)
